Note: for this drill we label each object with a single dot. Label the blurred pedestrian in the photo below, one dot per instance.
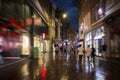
(80, 53)
(61, 49)
(57, 49)
(93, 54)
(88, 52)
(65, 50)
(68, 49)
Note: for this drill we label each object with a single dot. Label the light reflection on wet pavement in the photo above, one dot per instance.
(61, 67)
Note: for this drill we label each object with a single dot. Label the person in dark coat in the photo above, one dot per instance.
(93, 54)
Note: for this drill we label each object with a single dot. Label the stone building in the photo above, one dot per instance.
(99, 25)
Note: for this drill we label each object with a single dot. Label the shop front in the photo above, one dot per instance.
(25, 45)
(45, 46)
(88, 39)
(42, 45)
(41, 40)
(14, 37)
(99, 39)
(10, 38)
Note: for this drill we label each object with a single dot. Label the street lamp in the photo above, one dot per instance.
(64, 15)
(32, 34)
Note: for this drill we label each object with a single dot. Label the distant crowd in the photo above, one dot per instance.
(78, 51)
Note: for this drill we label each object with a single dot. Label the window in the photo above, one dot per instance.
(98, 11)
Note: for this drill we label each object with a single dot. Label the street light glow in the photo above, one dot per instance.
(64, 15)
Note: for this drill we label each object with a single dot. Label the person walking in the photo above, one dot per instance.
(93, 54)
(65, 50)
(61, 50)
(57, 49)
(88, 52)
(80, 53)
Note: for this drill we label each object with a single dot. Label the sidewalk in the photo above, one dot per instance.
(9, 61)
(115, 60)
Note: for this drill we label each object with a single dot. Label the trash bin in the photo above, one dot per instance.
(36, 52)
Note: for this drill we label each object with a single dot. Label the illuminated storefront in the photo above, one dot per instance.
(88, 39)
(16, 40)
(44, 46)
(25, 44)
(99, 39)
(96, 38)
(40, 33)
(14, 37)
(10, 40)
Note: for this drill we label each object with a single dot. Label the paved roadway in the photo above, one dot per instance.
(52, 67)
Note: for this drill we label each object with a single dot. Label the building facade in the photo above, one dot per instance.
(14, 34)
(25, 26)
(70, 33)
(99, 25)
(45, 11)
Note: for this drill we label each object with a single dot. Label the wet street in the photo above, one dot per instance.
(58, 67)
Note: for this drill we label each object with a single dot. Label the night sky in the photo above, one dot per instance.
(70, 6)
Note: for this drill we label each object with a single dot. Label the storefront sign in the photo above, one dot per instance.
(37, 21)
(17, 24)
(29, 21)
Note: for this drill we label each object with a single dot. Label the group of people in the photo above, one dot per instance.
(89, 52)
(79, 51)
(66, 49)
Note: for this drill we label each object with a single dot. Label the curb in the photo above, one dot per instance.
(14, 62)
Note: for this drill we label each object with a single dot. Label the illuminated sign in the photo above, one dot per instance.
(37, 21)
(28, 21)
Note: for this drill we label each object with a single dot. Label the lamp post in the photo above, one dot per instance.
(32, 35)
(64, 16)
